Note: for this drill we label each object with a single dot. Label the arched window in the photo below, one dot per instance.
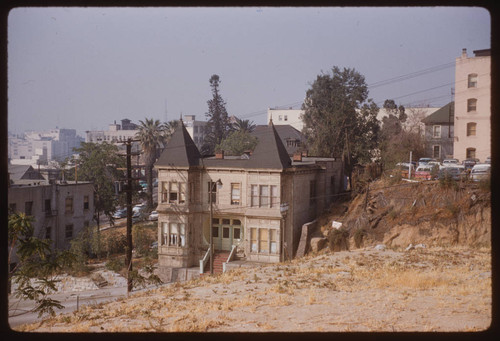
(471, 129)
(472, 80)
(470, 153)
(471, 104)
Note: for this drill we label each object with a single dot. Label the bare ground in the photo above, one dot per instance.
(434, 289)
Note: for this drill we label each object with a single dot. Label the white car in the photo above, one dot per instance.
(480, 171)
(450, 162)
(153, 216)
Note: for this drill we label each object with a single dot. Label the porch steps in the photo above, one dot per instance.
(219, 258)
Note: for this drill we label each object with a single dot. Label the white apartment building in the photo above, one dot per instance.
(196, 129)
(473, 105)
(290, 116)
(43, 146)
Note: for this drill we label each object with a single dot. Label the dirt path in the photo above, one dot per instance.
(363, 290)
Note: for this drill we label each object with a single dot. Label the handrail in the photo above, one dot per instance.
(231, 255)
(204, 260)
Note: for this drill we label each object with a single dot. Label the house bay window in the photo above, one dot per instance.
(253, 239)
(173, 234)
(173, 192)
(264, 196)
(255, 195)
(275, 202)
(263, 240)
(273, 241)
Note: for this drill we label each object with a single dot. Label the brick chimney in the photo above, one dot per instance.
(219, 154)
(297, 156)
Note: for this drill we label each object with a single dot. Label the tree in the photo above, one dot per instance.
(339, 119)
(152, 137)
(397, 139)
(237, 143)
(99, 164)
(36, 266)
(218, 125)
(243, 125)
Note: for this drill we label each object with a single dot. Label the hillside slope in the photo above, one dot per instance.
(412, 213)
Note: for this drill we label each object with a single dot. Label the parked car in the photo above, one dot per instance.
(405, 167)
(425, 160)
(455, 172)
(469, 163)
(138, 208)
(137, 216)
(153, 216)
(480, 172)
(121, 213)
(450, 162)
(424, 172)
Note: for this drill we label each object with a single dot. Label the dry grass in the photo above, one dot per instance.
(440, 289)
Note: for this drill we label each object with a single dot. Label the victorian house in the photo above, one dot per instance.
(249, 207)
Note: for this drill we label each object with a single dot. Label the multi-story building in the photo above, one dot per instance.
(60, 210)
(439, 132)
(473, 105)
(44, 146)
(290, 116)
(116, 134)
(196, 129)
(238, 200)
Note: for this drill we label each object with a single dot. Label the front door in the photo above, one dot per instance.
(226, 232)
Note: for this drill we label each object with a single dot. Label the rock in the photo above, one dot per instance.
(318, 243)
(336, 224)
(380, 247)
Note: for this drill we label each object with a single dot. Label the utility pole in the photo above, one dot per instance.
(129, 215)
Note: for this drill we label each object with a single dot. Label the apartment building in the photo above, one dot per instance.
(473, 105)
(196, 129)
(258, 202)
(439, 132)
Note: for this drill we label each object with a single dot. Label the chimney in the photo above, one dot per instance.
(464, 53)
(297, 156)
(219, 155)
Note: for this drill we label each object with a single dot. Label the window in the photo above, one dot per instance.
(236, 233)
(226, 221)
(47, 207)
(312, 192)
(280, 118)
(471, 129)
(182, 193)
(253, 239)
(164, 234)
(235, 194)
(182, 236)
(273, 241)
(255, 196)
(264, 195)
(275, 202)
(85, 202)
(436, 151)
(286, 117)
(215, 231)
(470, 153)
(471, 104)
(436, 131)
(173, 234)
(69, 205)
(472, 83)
(213, 191)
(48, 232)
(263, 240)
(172, 195)
(225, 232)
(68, 231)
(28, 207)
(164, 191)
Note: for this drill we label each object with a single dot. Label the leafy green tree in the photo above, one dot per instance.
(398, 139)
(36, 264)
(237, 143)
(218, 125)
(152, 136)
(243, 125)
(339, 119)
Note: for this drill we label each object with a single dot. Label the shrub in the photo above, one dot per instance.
(338, 239)
(115, 265)
(359, 235)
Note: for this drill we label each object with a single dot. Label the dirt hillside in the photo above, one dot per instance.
(430, 213)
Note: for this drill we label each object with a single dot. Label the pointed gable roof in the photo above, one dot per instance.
(180, 151)
(270, 151)
(442, 115)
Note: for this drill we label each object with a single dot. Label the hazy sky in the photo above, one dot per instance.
(84, 68)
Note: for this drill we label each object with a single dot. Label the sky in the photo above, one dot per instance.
(85, 68)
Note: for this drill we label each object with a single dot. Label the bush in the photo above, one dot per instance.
(359, 235)
(115, 265)
(143, 236)
(338, 239)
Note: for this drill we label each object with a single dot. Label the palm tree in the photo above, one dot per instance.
(243, 125)
(152, 136)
